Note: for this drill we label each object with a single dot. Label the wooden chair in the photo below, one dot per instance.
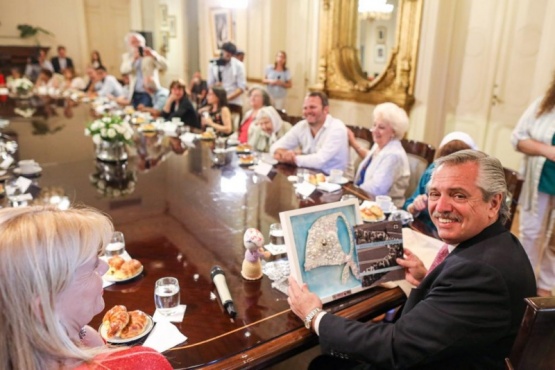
(420, 156)
(236, 116)
(514, 186)
(535, 342)
(365, 140)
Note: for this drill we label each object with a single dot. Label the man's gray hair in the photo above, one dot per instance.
(491, 176)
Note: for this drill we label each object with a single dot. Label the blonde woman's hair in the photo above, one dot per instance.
(41, 248)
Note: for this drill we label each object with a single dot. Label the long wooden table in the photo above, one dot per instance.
(183, 217)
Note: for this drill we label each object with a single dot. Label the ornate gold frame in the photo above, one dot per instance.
(339, 71)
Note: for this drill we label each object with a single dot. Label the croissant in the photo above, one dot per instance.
(115, 264)
(137, 324)
(115, 320)
(128, 269)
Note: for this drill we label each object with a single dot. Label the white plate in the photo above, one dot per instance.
(113, 279)
(342, 180)
(149, 325)
(328, 187)
(368, 204)
(35, 171)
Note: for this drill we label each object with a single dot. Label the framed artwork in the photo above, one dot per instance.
(164, 15)
(220, 28)
(381, 34)
(172, 25)
(321, 248)
(380, 54)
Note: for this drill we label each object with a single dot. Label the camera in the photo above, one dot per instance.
(141, 51)
(219, 62)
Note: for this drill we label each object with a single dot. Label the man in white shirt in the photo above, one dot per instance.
(322, 139)
(107, 85)
(229, 73)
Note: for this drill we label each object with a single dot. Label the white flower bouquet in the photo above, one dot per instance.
(21, 86)
(110, 128)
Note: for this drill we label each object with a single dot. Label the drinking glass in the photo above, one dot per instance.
(116, 245)
(302, 175)
(166, 295)
(276, 234)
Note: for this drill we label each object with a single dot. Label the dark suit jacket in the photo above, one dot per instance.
(464, 315)
(185, 111)
(56, 64)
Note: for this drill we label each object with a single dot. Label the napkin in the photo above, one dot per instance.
(188, 138)
(164, 336)
(305, 189)
(263, 168)
(177, 316)
(328, 186)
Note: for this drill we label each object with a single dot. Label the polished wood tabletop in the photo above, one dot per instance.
(181, 215)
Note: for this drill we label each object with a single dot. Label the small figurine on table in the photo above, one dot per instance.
(254, 243)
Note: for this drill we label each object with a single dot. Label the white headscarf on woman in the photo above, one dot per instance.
(273, 115)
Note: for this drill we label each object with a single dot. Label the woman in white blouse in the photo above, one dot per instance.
(385, 168)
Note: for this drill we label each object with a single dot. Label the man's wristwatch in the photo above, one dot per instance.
(310, 316)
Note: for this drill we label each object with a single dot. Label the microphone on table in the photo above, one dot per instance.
(218, 277)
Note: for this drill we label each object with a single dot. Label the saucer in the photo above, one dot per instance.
(35, 170)
(341, 181)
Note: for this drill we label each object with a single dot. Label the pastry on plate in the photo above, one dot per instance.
(128, 269)
(136, 326)
(246, 159)
(115, 320)
(372, 213)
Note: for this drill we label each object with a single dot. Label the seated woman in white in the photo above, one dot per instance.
(385, 168)
(268, 128)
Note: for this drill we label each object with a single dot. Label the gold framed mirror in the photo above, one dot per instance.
(340, 74)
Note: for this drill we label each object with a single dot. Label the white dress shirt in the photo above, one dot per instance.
(328, 150)
(233, 77)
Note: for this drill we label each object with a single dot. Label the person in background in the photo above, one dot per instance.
(159, 97)
(178, 105)
(61, 61)
(216, 114)
(51, 288)
(35, 64)
(384, 169)
(258, 98)
(140, 62)
(321, 138)
(15, 74)
(198, 90)
(417, 203)
(47, 78)
(96, 60)
(278, 79)
(229, 73)
(240, 55)
(268, 129)
(534, 135)
(107, 85)
(467, 308)
(72, 82)
(90, 80)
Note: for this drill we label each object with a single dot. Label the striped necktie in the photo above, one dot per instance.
(441, 255)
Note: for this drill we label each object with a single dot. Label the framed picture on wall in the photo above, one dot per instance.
(380, 54)
(220, 28)
(381, 34)
(164, 15)
(172, 25)
(321, 248)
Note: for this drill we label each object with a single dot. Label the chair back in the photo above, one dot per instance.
(420, 156)
(365, 140)
(514, 186)
(534, 347)
(236, 116)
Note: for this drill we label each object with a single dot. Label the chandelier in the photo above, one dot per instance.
(374, 10)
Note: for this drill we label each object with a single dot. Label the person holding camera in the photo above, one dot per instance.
(229, 73)
(141, 62)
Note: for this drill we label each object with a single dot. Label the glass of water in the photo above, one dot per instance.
(116, 245)
(166, 295)
(276, 234)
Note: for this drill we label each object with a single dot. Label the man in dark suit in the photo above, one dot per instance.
(61, 61)
(465, 313)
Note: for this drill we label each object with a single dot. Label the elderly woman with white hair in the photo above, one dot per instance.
(269, 127)
(141, 63)
(51, 287)
(385, 168)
